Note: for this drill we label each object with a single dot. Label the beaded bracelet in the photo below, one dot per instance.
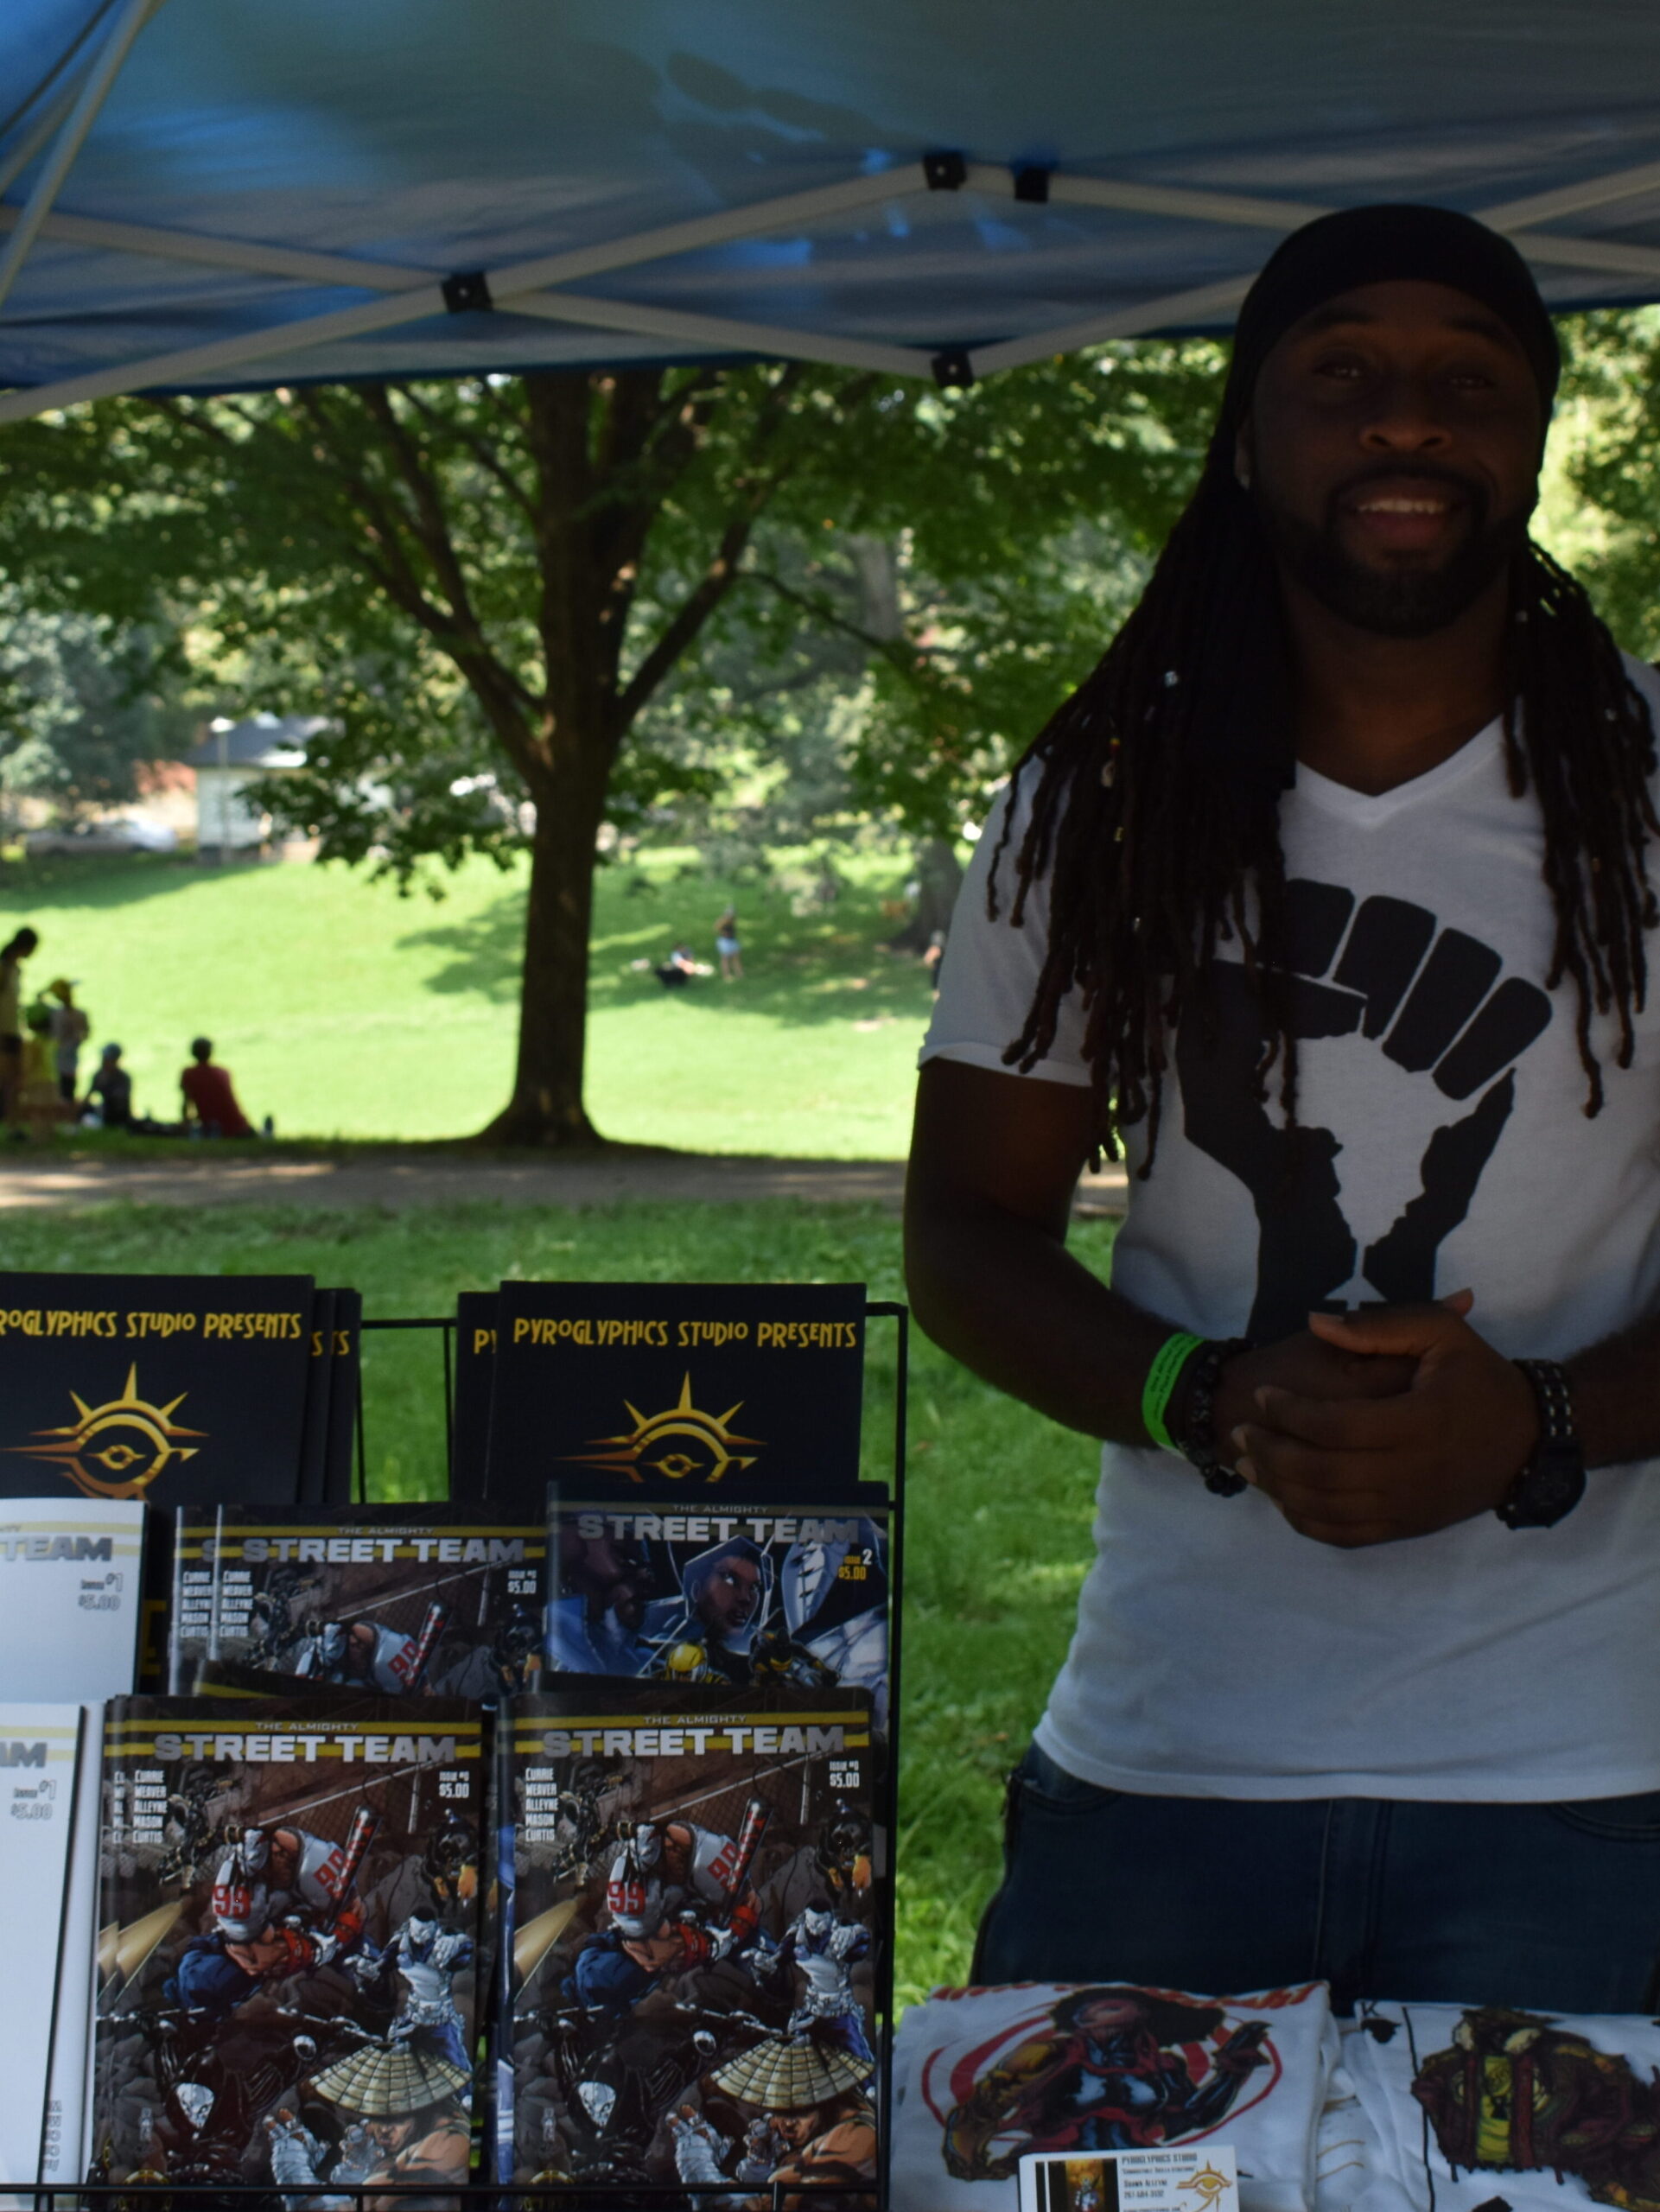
(1197, 1442)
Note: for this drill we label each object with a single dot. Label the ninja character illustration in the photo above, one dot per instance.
(824, 1950)
(708, 1632)
(369, 1655)
(283, 1902)
(1516, 2092)
(834, 1595)
(427, 1957)
(1100, 2076)
(678, 1897)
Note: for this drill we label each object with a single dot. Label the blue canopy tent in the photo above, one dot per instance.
(205, 195)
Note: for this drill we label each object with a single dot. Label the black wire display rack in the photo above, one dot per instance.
(186, 2195)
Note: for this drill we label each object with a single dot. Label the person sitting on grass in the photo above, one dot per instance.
(209, 1099)
(40, 1105)
(677, 970)
(110, 1092)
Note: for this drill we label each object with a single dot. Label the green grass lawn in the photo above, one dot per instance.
(999, 1501)
(344, 1010)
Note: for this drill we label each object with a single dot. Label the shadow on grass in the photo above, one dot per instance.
(800, 970)
(33, 888)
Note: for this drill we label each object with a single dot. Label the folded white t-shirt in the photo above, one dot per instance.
(1540, 2109)
(981, 2077)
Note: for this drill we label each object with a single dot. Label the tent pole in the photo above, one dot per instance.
(100, 80)
(724, 335)
(198, 363)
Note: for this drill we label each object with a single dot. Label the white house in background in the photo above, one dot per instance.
(232, 756)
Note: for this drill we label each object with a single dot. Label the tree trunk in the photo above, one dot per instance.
(939, 877)
(546, 1108)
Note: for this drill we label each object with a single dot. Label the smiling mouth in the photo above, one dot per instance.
(1394, 504)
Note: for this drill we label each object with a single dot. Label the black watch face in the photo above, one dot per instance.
(1552, 1486)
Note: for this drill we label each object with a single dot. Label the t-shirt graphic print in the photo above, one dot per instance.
(1434, 1005)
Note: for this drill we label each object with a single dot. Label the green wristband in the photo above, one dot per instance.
(1162, 1377)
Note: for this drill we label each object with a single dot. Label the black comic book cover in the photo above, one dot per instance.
(314, 1439)
(730, 1593)
(288, 1959)
(345, 1383)
(682, 1391)
(178, 1389)
(399, 1600)
(475, 1374)
(694, 1940)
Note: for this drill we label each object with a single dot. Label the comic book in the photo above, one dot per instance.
(72, 1582)
(696, 1938)
(345, 1383)
(63, 2151)
(731, 1593)
(313, 1435)
(475, 1372)
(682, 1391)
(39, 1756)
(430, 1600)
(176, 1390)
(288, 1956)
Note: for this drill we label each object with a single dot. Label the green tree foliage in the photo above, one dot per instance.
(84, 705)
(1602, 508)
(531, 605)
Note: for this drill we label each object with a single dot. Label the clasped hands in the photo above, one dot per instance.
(1368, 1427)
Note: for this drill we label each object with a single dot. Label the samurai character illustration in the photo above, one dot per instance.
(369, 1655)
(708, 1632)
(814, 2118)
(824, 1950)
(428, 1956)
(283, 1904)
(679, 1896)
(1516, 2092)
(1101, 2078)
(409, 2124)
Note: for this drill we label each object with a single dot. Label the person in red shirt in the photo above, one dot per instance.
(208, 1096)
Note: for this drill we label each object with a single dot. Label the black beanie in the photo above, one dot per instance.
(1380, 245)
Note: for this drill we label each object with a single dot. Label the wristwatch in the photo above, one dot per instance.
(1553, 1482)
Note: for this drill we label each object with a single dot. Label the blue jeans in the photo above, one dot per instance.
(1553, 1908)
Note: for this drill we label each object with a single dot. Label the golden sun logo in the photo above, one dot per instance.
(1207, 2185)
(682, 1441)
(130, 1440)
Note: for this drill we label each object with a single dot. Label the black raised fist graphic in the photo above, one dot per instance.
(1446, 1027)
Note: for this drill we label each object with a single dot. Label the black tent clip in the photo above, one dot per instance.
(953, 369)
(945, 172)
(468, 292)
(1032, 183)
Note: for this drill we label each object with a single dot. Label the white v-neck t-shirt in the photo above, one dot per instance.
(1441, 1143)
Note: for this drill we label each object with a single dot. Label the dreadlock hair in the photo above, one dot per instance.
(1155, 811)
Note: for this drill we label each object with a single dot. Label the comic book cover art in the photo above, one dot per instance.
(697, 1942)
(288, 1957)
(176, 1390)
(684, 1391)
(399, 1601)
(740, 1595)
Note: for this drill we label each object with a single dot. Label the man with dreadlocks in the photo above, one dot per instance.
(1325, 900)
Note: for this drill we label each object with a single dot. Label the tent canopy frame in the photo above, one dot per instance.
(539, 288)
